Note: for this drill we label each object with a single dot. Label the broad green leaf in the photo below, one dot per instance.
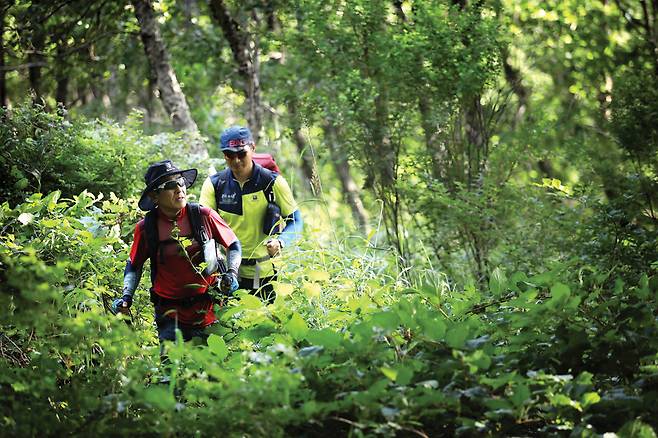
(296, 326)
(520, 394)
(559, 294)
(563, 400)
(456, 336)
(283, 289)
(318, 276)
(310, 408)
(590, 398)
(217, 346)
(250, 302)
(312, 290)
(499, 381)
(404, 376)
(385, 320)
(434, 328)
(52, 199)
(227, 313)
(19, 386)
(390, 373)
(479, 360)
(325, 337)
(361, 304)
(49, 223)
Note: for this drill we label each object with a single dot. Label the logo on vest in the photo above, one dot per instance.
(228, 199)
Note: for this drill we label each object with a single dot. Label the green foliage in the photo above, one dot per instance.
(634, 112)
(348, 346)
(58, 258)
(44, 152)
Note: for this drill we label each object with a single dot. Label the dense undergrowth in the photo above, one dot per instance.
(349, 346)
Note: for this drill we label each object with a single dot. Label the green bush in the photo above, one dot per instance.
(634, 113)
(43, 152)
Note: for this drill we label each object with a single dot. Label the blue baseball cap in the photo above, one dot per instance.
(235, 139)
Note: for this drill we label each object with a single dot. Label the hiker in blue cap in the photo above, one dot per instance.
(258, 205)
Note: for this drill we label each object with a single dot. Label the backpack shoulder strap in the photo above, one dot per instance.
(152, 239)
(198, 231)
(269, 186)
(218, 181)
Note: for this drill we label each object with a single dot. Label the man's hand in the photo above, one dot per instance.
(122, 305)
(273, 247)
(228, 283)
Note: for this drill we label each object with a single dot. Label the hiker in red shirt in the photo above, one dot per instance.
(180, 276)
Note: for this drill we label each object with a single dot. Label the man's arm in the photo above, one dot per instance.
(294, 224)
(293, 229)
(132, 274)
(234, 257)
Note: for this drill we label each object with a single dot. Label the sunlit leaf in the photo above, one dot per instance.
(497, 282)
(25, 218)
(390, 373)
(312, 290)
(318, 276)
(249, 301)
(479, 360)
(283, 289)
(296, 326)
(217, 346)
(590, 398)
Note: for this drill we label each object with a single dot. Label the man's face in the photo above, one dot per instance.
(171, 194)
(239, 162)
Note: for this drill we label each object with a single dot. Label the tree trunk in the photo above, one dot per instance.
(308, 167)
(35, 57)
(62, 89)
(513, 78)
(3, 73)
(61, 76)
(245, 53)
(190, 10)
(171, 94)
(350, 189)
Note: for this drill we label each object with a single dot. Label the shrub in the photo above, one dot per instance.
(43, 152)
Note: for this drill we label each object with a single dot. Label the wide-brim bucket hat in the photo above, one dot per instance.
(155, 175)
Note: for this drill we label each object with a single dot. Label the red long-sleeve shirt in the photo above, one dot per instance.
(175, 276)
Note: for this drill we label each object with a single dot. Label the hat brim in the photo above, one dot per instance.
(235, 149)
(146, 203)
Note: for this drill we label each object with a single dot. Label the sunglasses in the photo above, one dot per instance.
(172, 184)
(230, 154)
